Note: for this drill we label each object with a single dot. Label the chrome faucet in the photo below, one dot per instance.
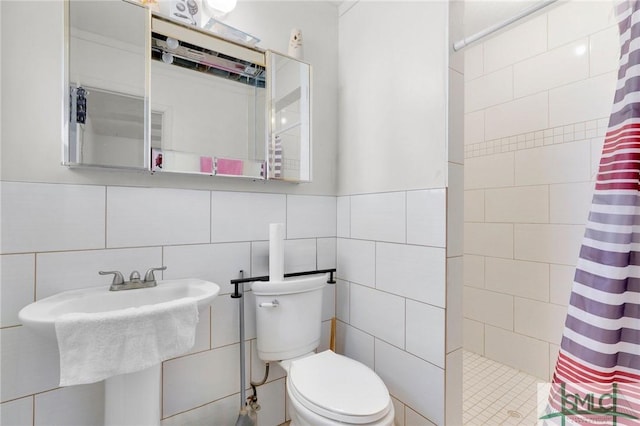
(134, 282)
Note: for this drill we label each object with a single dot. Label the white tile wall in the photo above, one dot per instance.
(561, 163)
(474, 127)
(602, 57)
(525, 353)
(74, 217)
(474, 270)
(490, 172)
(299, 255)
(561, 280)
(453, 382)
(194, 380)
(490, 89)
(584, 100)
(489, 239)
(518, 278)
(474, 206)
(18, 412)
(415, 272)
(426, 212)
(356, 261)
(342, 300)
(234, 215)
(128, 210)
(94, 218)
(521, 115)
(311, 216)
(414, 419)
(426, 332)
(547, 315)
(378, 313)
(473, 64)
(29, 363)
(380, 217)
(488, 307)
(18, 286)
(548, 243)
(218, 263)
(576, 19)
(570, 202)
(343, 225)
(223, 412)
(523, 41)
(355, 344)
(473, 335)
(326, 253)
(72, 405)
(455, 210)
(563, 65)
(520, 204)
(454, 312)
(409, 379)
(71, 270)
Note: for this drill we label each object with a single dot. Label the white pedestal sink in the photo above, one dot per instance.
(130, 399)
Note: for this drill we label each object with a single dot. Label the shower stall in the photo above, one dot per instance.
(538, 95)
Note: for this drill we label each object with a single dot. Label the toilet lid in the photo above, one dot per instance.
(339, 388)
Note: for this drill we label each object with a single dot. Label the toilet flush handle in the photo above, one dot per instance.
(273, 304)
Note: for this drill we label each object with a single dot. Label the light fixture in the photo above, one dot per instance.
(167, 58)
(172, 43)
(221, 7)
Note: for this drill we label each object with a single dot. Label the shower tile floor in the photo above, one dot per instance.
(494, 394)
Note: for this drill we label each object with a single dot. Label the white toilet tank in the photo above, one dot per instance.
(288, 316)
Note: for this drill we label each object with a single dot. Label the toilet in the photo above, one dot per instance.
(323, 389)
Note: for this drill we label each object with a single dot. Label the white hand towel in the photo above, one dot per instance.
(94, 346)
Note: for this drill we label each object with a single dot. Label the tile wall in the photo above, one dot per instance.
(204, 234)
(391, 302)
(537, 98)
(400, 186)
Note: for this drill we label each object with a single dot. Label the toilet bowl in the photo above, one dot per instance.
(323, 389)
(328, 389)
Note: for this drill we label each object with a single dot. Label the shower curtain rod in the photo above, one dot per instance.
(500, 25)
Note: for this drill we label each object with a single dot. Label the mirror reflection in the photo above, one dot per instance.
(290, 138)
(148, 92)
(107, 62)
(213, 106)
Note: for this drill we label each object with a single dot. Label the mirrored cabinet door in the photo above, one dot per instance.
(289, 87)
(107, 84)
(209, 97)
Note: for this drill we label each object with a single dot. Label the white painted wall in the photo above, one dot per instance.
(393, 89)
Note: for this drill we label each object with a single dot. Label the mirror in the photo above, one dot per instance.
(290, 135)
(147, 92)
(107, 84)
(211, 96)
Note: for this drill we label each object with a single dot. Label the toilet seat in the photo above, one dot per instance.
(338, 388)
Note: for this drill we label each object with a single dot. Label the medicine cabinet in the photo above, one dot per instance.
(150, 93)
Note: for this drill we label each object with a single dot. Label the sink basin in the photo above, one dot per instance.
(40, 316)
(131, 399)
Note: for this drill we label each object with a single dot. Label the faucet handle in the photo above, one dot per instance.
(118, 279)
(149, 277)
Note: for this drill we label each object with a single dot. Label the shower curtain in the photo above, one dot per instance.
(597, 375)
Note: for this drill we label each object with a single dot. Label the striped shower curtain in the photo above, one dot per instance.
(597, 375)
